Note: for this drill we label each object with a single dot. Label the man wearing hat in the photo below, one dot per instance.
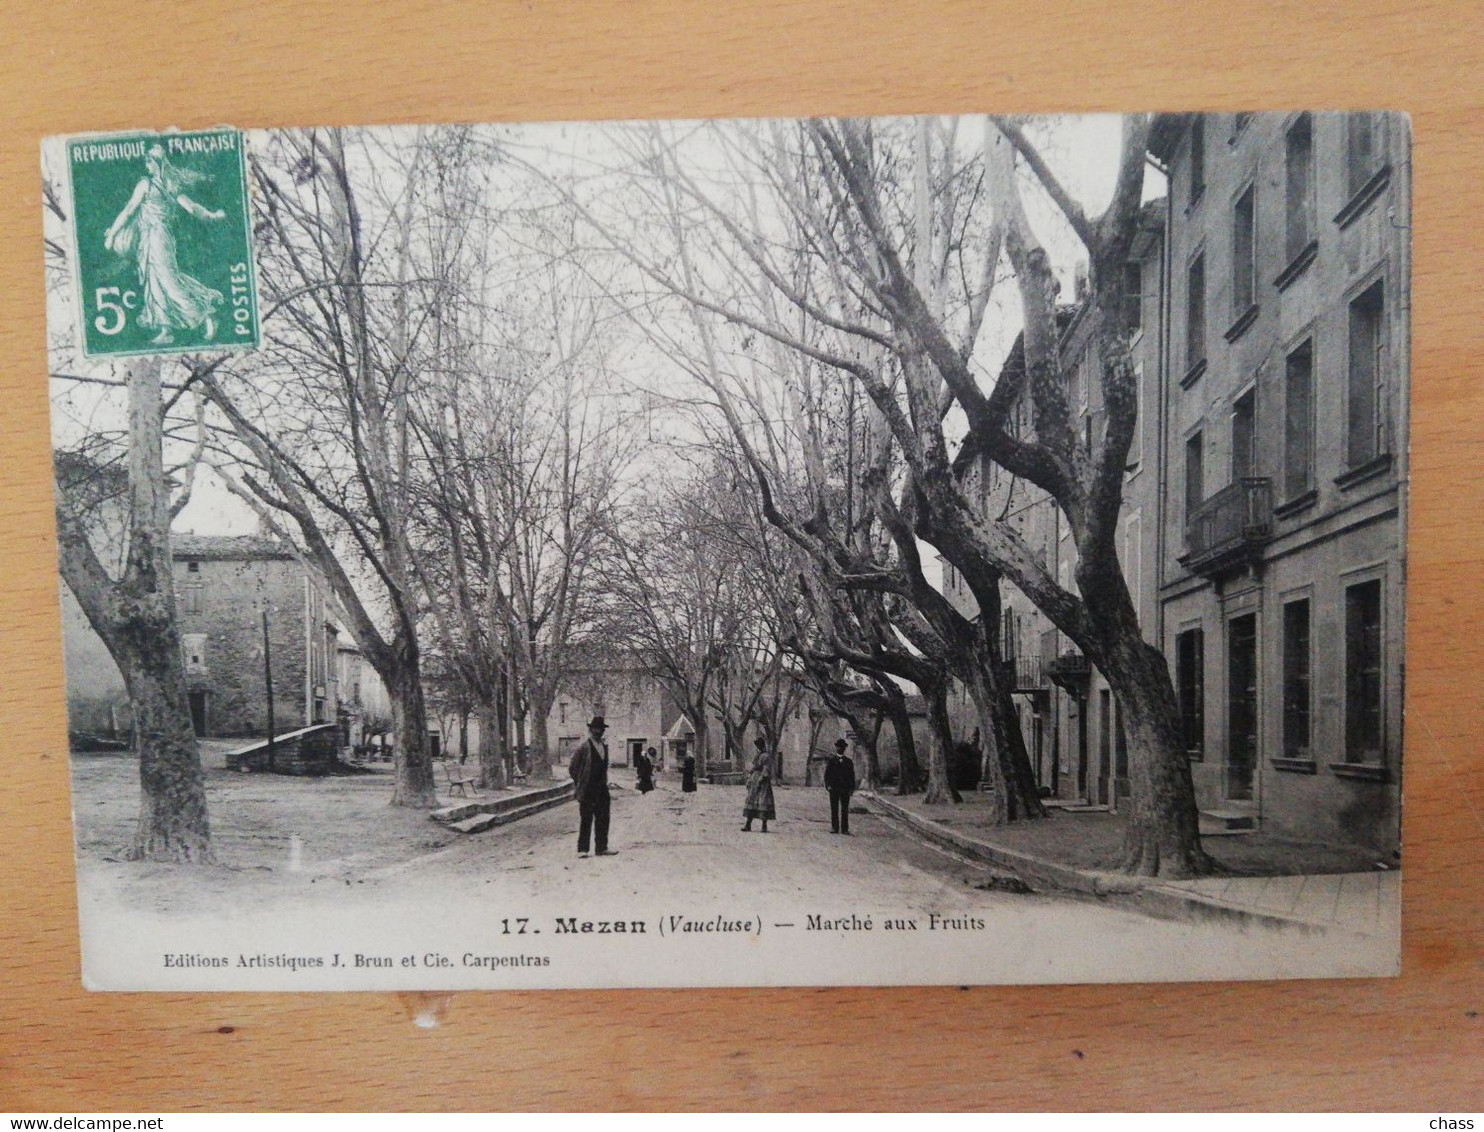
(589, 770)
(839, 780)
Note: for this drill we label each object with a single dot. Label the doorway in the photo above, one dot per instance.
(1241, 727)
(1105, 746)
(198, 713)
(1079, 708)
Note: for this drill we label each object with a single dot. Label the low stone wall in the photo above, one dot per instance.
(310, 751)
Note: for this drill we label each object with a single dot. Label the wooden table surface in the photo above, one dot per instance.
(1413, 1043)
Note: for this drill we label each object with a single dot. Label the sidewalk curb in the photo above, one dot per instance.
(1146, 895)
(475, 815)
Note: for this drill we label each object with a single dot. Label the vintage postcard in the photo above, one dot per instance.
(702, 553)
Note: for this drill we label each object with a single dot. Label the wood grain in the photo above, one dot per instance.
(1411, 1043)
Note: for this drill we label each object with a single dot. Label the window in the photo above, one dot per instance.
(1362, 151)
(1363, 672)
(1299, 201)
(1195, 489)
(193, 567)
(633, 714)
(1008, 648)
(1136, 443)
(1133, 297)
(190, 598)
(1197, 159)
(1244, 436)
(1296, 696)
(1133, 555)
(1190, 687)
(1298, 422)
(562, 712)
(1244, 241)
(194, 645)
(1079, 384)
(1365, 384)
(1195, 313)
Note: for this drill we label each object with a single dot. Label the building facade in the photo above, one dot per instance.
(1263, 527)
(251, 616)
(641, 713)
(249, 610)
(1072, 723)
(1282, 566)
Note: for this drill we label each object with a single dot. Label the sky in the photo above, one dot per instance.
(1082, 150)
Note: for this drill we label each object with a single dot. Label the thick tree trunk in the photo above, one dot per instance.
(982, 692)
(491, 749)
(940, 742)
(520, 744)
(1007, 765)
(135, 617)
(871, 740)
(909, 770)
(1023, 791)
(413, 767)
(1162, 838)
(540, 763)
(703, 744)
(173, 823)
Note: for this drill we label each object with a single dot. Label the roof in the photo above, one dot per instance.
(1165, 132)
(227, 547)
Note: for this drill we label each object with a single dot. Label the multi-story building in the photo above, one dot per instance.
(1264, 517)
(1072, 724)
(241, 599)
(251, 615)
(641, 713)
(1282, 558)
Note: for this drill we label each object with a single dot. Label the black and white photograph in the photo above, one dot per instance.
(835, 551)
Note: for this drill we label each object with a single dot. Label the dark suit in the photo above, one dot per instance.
(839, 780)
(589, 770)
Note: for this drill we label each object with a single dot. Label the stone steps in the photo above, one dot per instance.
(478, 815)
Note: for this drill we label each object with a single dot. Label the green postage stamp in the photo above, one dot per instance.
(163, 241)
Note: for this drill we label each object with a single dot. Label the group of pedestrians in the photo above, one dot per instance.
(589, 772)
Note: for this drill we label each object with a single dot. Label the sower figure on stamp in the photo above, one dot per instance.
(839, 780)
(145, 232)
(589, 770)
(759, 802)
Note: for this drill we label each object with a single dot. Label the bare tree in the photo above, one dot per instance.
(115, 499)
(321, 419)
(134, 613)
(889, 226)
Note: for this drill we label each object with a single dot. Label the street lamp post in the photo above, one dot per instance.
(268, 685)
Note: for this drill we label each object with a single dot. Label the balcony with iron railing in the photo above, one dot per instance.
(1230, 529)
(1071, 671)
(1024, 673)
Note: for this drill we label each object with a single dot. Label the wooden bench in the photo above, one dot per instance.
(459, 778)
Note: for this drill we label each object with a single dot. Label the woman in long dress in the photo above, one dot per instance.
(688, 774)
(759, 802)
(171, 300)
